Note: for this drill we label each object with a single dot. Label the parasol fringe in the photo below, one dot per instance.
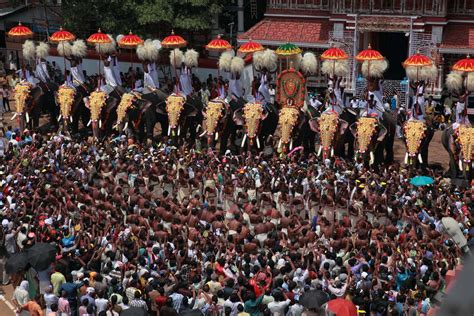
(376, 69)
(225, 61)
(176, 58)
(454, 81)
(191, 58)
(309, 64)
(42, 50)
(237, 65)
(79, 48)
(64, 49)
(29, 50)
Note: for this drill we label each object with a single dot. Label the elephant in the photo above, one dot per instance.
(369, 133)
(458, 164)
(41, 100)
(263, 125)
(290, 123)
(187, 119)
(331, 129)
(424, 145)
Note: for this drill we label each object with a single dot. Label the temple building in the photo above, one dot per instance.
(442, 29)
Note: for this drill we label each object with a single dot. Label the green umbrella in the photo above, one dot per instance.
(287, 50)
(420, 181)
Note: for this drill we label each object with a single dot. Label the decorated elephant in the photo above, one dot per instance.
(417, 135)
(369, 134)
(331, 129)
(458, 140)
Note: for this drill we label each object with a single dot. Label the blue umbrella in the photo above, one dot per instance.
(420, 181)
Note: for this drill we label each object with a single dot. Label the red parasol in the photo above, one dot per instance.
(173, 41)
(218, 44)
(250, 47)
(62, 36)
(369, 54)
(417, 60)
(99, 38)
(342, 307)
(130, 41)
(466, 64)
(334, 53)
(20, 31)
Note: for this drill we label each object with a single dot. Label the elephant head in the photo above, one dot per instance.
(126, 102)
(97, 100)
(287, 120)
(21, 96)
(65, 99)
(464, 139)
(414, 131)
(328, 124)
(174, 108)
(213, 114)
(367, 132)
(253, 114)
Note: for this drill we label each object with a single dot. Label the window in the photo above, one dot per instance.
(437, 34)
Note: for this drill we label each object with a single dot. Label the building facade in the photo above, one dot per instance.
(442, 29)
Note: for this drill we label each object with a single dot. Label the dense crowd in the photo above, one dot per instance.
(173, 231)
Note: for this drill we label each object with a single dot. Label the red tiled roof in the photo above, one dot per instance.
(282, 30)
(458, 36)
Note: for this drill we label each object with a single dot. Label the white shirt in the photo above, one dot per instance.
(278, 308)
(77, 75)
(185, 80)
(109, 77)
(315, 103)
(42, 70)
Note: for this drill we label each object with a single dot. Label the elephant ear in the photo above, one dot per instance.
(238, 117)
(314, 125)
(343, 126)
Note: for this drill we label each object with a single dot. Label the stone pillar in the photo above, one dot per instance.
(240, 16)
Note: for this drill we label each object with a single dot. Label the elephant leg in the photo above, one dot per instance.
(226, 133)
(388, 144)
(425, 148)
(379, 154)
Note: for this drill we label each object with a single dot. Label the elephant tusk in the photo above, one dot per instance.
(179, 130)
(217, 136)
(89, 123)
(291, 144)
(279, 144)
(420, 159)
(100, 123)
(169, 130)
(116, 126)
(460, 164)
(14, 115)
(203, 133)
(27, 117)
(372, 158)
(126, 126)
(243, 141)
(332, 151)
(198, 127)
(258, 142)
(59, 117)
(70, 119)
(320, 150)
(406, 159)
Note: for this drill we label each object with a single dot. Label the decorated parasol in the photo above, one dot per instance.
(130, 41)
(250, 47)
(287, 50)
(60, 37)
(174, 41)
(20, 31)
(418, 61)
(369, 55)
(218, 44)
(466, 64)
(334, 53)
(99, 38)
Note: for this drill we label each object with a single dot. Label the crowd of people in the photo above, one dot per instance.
(174, 231)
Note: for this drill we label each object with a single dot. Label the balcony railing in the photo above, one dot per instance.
(399, 7)
(461, 7)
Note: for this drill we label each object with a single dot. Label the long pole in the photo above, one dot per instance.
(355, 48)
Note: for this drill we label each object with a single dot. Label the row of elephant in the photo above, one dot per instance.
(150, 109)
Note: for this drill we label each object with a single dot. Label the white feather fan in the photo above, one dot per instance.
(309, 64)
(237, 65)
(412, 73)
(191, 58)
(64, 49)
(429, 73)
(295, 61)
(377, 68)
(176, 58)
(470, 81)
(42, 50)
(106, 48)
(79, 48)
(270, 59)
(257, 60)
(454, 81)
(29, 50)
(225, 61)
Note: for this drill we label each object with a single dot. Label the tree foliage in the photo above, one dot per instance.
(145, 17)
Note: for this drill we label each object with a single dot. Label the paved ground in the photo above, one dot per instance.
(6, 307)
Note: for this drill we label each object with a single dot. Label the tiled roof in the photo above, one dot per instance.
(458, 36)
(288, 30)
